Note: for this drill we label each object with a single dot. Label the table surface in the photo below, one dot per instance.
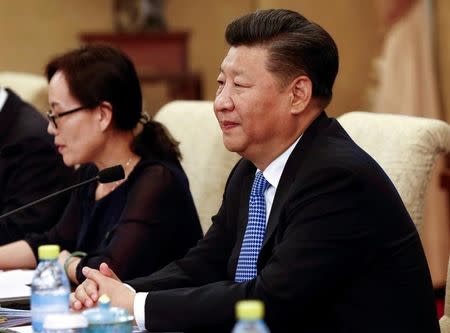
(28, 329)
(14, 285)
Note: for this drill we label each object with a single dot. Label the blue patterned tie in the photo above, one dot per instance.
(254, 233)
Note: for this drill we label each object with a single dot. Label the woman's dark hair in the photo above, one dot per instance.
(99, 73)
(296, 47)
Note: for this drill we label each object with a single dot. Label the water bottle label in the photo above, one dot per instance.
(42, 305)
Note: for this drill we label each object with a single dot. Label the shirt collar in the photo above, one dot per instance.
(3, 97)
(274, 170)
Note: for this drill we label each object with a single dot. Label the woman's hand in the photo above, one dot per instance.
(63, 256)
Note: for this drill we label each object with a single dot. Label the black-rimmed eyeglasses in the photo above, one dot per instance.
(52, 116)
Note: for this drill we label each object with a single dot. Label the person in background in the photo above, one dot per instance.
(310, 224)
(30, 168)
(97, 122)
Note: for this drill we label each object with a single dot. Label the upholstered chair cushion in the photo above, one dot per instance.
(30, 87)
(406, 147)
(206, 161)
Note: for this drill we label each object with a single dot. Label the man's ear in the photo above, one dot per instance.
(301, 93)
(105, 115)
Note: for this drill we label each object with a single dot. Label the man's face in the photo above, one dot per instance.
(251, 106)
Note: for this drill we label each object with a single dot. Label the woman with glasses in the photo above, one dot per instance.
(138, 224)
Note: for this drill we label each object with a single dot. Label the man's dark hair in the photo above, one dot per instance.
(296, 47)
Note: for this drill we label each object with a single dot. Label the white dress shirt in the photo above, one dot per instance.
(272, 174)
(3, 97)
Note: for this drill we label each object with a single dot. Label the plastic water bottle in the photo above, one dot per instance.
(250, 314)
(50, 287)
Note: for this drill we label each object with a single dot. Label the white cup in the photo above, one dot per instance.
(65, 323)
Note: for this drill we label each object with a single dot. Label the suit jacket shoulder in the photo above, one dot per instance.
(30, 168)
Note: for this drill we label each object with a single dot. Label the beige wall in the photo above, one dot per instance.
(32, 31)
(352, 23)
(353, 26)
(53, 26)
(206, 20)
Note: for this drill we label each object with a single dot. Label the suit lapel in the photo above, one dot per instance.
(7, 114)
(292, 168)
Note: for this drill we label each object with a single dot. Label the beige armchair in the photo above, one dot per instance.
(406, 147)
(206, 161)
(30, 87)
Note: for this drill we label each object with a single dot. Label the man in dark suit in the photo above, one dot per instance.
(30, 168)
(337, 251)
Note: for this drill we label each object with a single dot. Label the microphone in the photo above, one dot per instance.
(107, 175)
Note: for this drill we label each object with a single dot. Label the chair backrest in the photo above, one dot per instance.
(206, 161)
(30, 87)
(406, 147)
